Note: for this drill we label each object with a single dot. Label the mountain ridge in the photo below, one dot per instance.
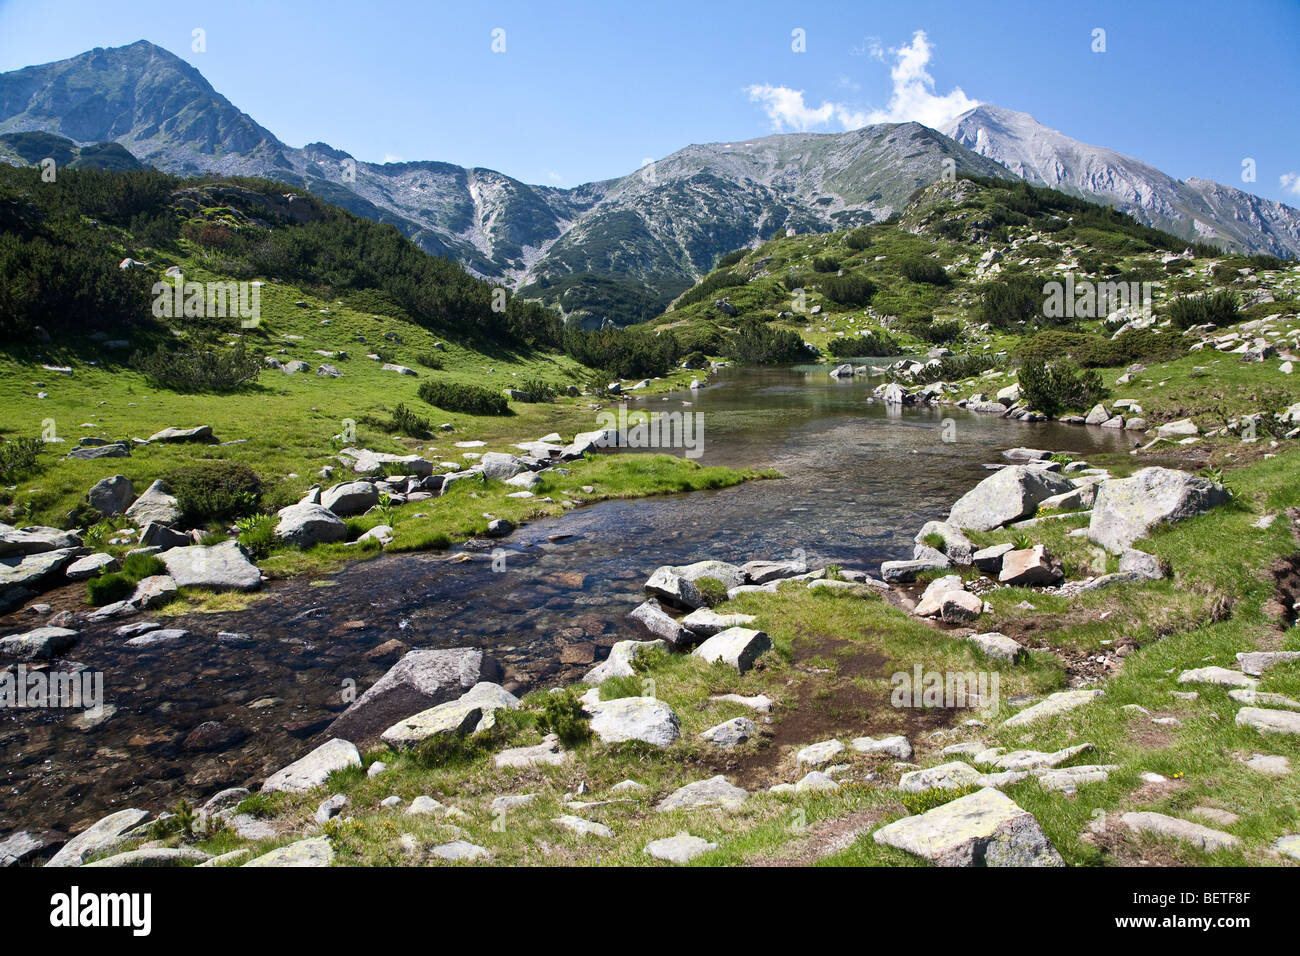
(640, 238)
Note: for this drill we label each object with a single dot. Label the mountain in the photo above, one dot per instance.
(618, 250)
(1193, 209)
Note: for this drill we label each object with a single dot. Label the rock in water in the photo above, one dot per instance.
(985, 828)
(103, 835)
(420, 680)
(619, 662)
(1127, 509)
(1007, 495)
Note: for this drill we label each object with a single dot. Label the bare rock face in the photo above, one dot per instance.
(1030, 567)
(1127, 509)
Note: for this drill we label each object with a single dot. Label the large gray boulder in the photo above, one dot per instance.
(738, 647)
(985, 828)
(219, 567)
(33, 572)
(350, 497)
(307, 524)
(315, 851)
(112, 495)
(1127, 509)
(1007, 495)
(16, 542)
(714, 792)
(200, 433)
(103, 835)
(40, 644)
(619, 662)
(499, 466)
(634, 718)
(156, 504)
(423, 678)
(312, 770)
(675, 585)
(956, 545)
(651, 616)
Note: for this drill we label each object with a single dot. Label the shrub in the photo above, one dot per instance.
(826, 264)
(1098, 351)
(198, 369)
(472, 399)
(406, 422)
(537, 389)
(19, 457)
(215, 490)
(858, 239)
(849, 290)
(956, 367)
(257, 534)
(936, 333)
(696, 360)
(138, 566)
(1213, 308)
(1054, 387)
(869, 343)
(1005, 302)
(758, 344)
(430, 360)
(562, 715)
(929, 271)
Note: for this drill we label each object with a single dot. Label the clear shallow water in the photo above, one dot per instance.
(860, 479)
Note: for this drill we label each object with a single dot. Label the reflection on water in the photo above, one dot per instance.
(860, 479)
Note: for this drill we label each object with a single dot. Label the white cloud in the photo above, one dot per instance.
(913, 98)
(1290, 183)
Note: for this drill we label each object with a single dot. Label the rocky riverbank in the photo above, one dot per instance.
(764, 691)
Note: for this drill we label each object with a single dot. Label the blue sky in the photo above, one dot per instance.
(588, 91)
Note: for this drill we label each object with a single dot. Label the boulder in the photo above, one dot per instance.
(155, 590)
(453, 718)
(103, 835)
(1183, 428)
(497, 466)
(313, 852)
(1009, 494)
(1127, 509)
(350, 497)
(651, 616)
(706, 622)
(20, 542)
(111, 495)
(157, 535)
(897, 747)
(41, 644)
(713, 792)
(989, 560)
(997, 646)
(311, 771)
(902, 572)
(738, 647)
(153, 856)
(1268, 721)
(548, 753)
(676, 585)
(1052, 705)
(1162, 825)
(945, 776)
(730, 733)
(117, 449)
(985, 828)
(90, 566)
(956, 546)
(156, 504)
(681, 848)
(634, 718)
(761, 572)
(307, 524)
(201, 433)
(423, 678)
(219, 567)
(23, 576)
(619, 662)
(1030, 567)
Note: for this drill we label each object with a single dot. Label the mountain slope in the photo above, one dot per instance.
(618, 250)
(1194, 209)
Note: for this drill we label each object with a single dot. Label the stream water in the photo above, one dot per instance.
(860, 478)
